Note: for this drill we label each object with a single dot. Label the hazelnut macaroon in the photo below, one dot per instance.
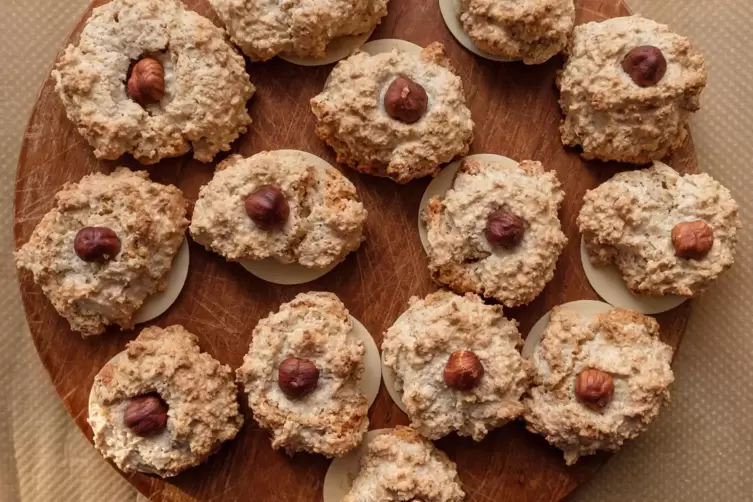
(667, 233)
(302, 28)
(279, 205)
(106, 246)
(163, 406)
(532, 31)
(399, 464)
(628, 88)
(153, 79)
(457, 364)
(599, 381)
(302, 375)
(496, 232)
(395, 114)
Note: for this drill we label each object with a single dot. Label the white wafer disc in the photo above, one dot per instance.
(389, 383)
(588, 308)
(442, 182)
(158, 303)
(339, 48)
(450, 9)
(372, 363)
(609, 285)
(387, 44)
(342, 471)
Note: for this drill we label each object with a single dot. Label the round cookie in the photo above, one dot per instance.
(395, 114)
(633, 117)
(297, 28)
(323, 222)
(496, 232)
(95, 277)
(633, 219)
(302, 376)
(198, 410)
(201, 83)
(600, 380)
(395, 465)
(430, 350)
(532, 31)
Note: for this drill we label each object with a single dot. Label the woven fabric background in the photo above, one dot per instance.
(700, 449)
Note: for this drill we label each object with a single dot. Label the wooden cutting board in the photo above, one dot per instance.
(516, 114)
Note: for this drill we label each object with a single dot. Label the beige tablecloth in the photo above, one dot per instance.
(701, 448)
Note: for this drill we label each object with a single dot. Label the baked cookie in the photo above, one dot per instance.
(155, 80)
(401, 465)
(395, 114)
(457, 363)
(599, 380)
(628, 89)
(496, 231)
(532, 31)
(302, 376)
(279, 205)
(162, 405)
(264, 29)
(105, 247)
(667, 233)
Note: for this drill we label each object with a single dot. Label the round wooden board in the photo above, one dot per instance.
(516, 114)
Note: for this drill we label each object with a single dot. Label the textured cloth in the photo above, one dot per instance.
(698, 449)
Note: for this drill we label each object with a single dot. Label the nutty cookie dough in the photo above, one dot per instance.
(532, 31)
(458, 366)
(279, 205)
(155, 80)
(302, 376)
(105, 247)
(401, 465)
(395, 114)
(628, 89)
(599, 380)
(496, 232)
(666, 233)
(264, 29)
(163, 406)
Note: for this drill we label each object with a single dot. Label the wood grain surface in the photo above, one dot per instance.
(516, 114)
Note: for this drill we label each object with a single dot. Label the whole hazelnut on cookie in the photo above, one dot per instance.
(297, 377)
(146, 84)
(98, 244)
(646, 65)
(594, 388)
(146, 415)
(406, 100)
(692, 239)
(463, 370)
(504, 229)
(268, 207)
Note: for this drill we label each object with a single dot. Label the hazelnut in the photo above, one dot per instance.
(463, 370)
(146, 84)
(96, 244)
(692, 239)
(297, 377)
(267, 207)
(405, 100)
(645, 65)
(146, 415)
(594, 388)
(504, 229)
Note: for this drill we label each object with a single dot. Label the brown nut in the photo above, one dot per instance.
(96, 244)
(504, 229)
(463, 370)
(297, 377)
(146, 415)
(594, 388)
(692, 239)
(405, 100)
(645, 65)
(267, 207)
(146, 84)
